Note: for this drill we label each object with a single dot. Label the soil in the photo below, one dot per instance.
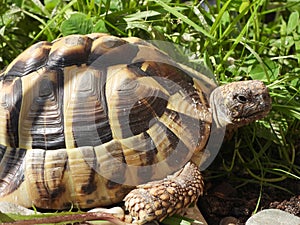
(226, 197)
(222, 200)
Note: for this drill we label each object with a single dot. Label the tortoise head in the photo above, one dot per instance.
(240, 103)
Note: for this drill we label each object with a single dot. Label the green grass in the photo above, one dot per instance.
(235, 39)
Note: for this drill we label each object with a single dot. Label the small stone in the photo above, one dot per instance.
(229, 221)
(7, 207)
(116, 211)
(273, 216)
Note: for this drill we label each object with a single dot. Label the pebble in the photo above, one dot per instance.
(116, 211)
(7, 207)
(229, 221)
(272, 217)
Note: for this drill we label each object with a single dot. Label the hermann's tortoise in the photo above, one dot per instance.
(86, 118)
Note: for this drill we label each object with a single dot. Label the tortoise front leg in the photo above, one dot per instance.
(159, 199)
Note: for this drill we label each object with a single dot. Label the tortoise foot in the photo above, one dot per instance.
(159, 199)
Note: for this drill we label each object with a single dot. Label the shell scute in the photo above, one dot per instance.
(30, 60)
(10, 111)
(41, 116)
(91, 109)
(104, 44)
(12, 172)
(70, 50)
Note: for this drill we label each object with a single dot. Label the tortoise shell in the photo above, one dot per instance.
(85, 118)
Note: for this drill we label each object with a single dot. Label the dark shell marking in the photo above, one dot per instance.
(76, 112)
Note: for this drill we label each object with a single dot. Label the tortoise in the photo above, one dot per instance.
(87, 119)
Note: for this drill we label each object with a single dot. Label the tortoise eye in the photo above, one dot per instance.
(241, 99)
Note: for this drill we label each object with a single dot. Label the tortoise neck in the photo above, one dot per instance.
(217, 104)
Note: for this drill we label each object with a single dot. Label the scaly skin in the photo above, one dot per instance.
(86, 118)
(240, 103)
(157, 200)
(235, 104)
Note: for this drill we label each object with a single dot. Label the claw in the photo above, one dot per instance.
(159, 199)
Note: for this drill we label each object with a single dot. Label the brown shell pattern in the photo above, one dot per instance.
(80, 114)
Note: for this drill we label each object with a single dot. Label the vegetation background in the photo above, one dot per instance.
(236, 39)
